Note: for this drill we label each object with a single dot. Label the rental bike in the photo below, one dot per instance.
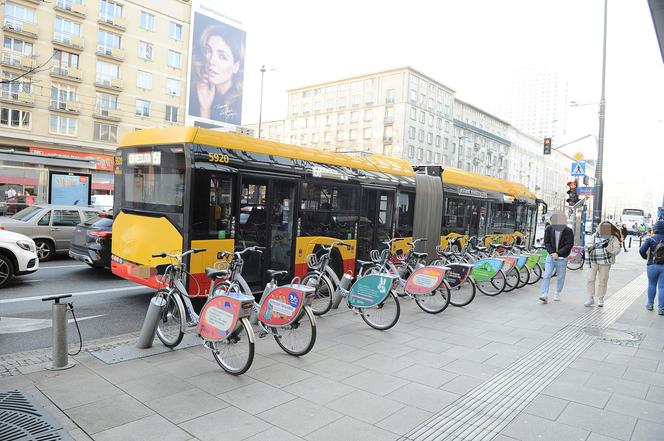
(322, 277)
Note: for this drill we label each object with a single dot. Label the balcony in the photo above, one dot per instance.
(68, 40)
(113, 21)
(67, 72)
(109, 83)
(68, 6)
(20, 27)
(387, 139)
(107, 114)
(389, 120)
(114, 53)
(17, 97)
(66, 106)
(18, 60)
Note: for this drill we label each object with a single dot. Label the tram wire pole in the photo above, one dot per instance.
(260, 109)
(599, 169)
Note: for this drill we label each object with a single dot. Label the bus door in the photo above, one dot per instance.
(375, 224)
(282, 220)
(476, 217)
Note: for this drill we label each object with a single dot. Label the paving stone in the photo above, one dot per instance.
(426, 358)
(334, 369)
(356, 339)
(279, 376)
(578, 394)
(383, 363)
(598, 437)
(530, 427)
(256, 397)
(319, 389)
(469, 354)
(274, 434)
(344, 352)
(648, 431)
(571, 375)
(404, 420)
(300, 416)
(365, 406)
(473, 369)
(429, 345)
(108, 413)
(603, 367)
(151, 428)
(375, 382)
(605, 422)
(425, 375)
(350, 429)
(234, 423)
(423, 397)
(501, 360)
(656, 394)
(191, 366)
(157, 386)
(186, 405)
(635, 362)
(126, 371)
(642, 409)
(618, 385)
(462, 384)
(546, 407)
(643, 376)
(75, 393)
(216, 383)
(650, 354)
(389, 348)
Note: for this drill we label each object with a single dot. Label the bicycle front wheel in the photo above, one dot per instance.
(463, 294)
(172, 318)
(384, 315)
(322, 301)
(236, 353)
(524, 277)
(577, 262)
(535, 274)
(299, 337)
(511, 279)
(494, 286)
(435, 302)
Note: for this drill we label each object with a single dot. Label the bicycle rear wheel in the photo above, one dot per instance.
(299, 337)
(494, 286)
(577, 262)
(384, 315)
(171, 319)
(236, 353)
(511, 279)
(322, 302)
(524, 276)
(435, 302)
(463, 294)
(535, 274)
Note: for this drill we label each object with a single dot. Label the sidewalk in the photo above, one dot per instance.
(505, 368)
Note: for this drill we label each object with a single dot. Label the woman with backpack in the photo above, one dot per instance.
(603, 248)
(653, 251)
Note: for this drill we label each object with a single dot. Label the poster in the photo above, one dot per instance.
(69, 189)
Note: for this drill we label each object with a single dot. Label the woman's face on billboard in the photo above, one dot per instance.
(220, 64)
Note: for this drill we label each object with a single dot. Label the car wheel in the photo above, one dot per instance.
(6, 270)
(45, 250)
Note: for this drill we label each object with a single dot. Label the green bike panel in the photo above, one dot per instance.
(486, 269)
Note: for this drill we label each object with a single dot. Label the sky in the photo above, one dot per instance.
(471, 46)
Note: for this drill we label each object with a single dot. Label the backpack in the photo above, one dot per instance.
(658, 254)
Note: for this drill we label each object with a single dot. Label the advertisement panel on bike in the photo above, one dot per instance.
(284, 304)
(457, 273)
(370, 290)
(220, 314)
(486, 269)
(425, 280)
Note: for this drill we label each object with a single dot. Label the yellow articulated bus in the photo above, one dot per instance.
(178, 188)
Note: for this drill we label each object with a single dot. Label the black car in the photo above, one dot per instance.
(92, 241)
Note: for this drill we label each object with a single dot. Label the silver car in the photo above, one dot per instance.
(50, 226)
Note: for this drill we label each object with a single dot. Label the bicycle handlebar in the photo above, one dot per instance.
(176, 256)
(334, 244)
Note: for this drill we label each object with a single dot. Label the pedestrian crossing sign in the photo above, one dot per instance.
(578, 168)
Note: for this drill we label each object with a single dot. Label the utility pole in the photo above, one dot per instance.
(260, 109)
(599, 183)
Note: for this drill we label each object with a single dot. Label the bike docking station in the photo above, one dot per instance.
(60, 358)
(149, 328)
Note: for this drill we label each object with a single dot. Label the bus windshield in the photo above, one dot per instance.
(632, 212)
(154, 178)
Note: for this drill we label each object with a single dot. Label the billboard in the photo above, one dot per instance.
(69, 189)
(216, 68)
(102, 162)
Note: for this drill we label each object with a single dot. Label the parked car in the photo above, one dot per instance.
(50, 226)
(18, 256)
(92, 241)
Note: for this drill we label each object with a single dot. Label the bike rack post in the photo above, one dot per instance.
(59, 320)
(150, 323)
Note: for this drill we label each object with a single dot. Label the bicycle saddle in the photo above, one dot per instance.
(481, 248)
(276, 274)
(363, 263)
(449, 254)
(419, 255)
(213, 273)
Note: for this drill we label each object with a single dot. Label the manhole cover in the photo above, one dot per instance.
(22, 419)
(616, 336)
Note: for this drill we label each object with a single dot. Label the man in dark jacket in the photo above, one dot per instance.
(654, 270)
(558, 240)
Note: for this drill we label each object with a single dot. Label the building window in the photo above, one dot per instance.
(420, 135)
(368, 133)
(413, 113)
(429, 156)
(15, 46)
(317, 106)
(430, 120)
(65, 29)
(354, 117)
(172, 87)
(145, 50)
(106, 102)
(438, 141)
(340, 135)
(329, 104)
(411, 132)
(147, 21)
(429, 138)
(292, 139)
(328, 120)
(353, 134)
(391, 96)
(420, 154)
(341, 118)
(368, 115)
(107, 72)
(422, 116)
(389, 115)
(16, 14)
(107, 41)
(106, 132)
(61, 94)
(175, 31)
(174, 59)
(144, 80)
(413, 96)
(306, 108)
(355, 100)
(431, 103)
(142, 107)
(172, 114)
(447, 126)
(446, 143)
(63, 125)
(293, 124)
(108, 10)
(411, 151)
(436, 158)
(16, 118)
(388, 133)
(342, 102)
(370, 97)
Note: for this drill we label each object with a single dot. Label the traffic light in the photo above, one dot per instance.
(547, 146)
(572, 198)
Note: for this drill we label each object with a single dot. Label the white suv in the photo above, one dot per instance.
(18, 256)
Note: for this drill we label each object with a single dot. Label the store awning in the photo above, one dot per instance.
(17, 180)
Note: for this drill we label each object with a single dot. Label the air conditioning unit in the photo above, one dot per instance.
(172, 92)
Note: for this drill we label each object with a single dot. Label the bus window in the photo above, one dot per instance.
(503, 219)
(328, 210)
(406, 214)
(385, 210)
(213, 208)
(454, 219)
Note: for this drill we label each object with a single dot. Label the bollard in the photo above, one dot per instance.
(60, 355)
(150, 323)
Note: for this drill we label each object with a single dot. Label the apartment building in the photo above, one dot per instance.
(78, 74)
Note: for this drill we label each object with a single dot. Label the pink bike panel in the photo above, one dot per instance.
(218, 318)
(508, 263)
(281, 306)
(425, 280)
(574, 252)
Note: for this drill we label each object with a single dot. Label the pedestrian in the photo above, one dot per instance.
(653, 251)
(558, 241)
(603, 248)
(624, 233)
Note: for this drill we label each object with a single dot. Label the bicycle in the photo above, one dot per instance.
(283, 311)
(323, 278)
(223, 323)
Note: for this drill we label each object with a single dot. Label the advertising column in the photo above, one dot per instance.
(216, 68)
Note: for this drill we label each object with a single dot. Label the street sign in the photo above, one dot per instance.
(578, 168)
(585, 191)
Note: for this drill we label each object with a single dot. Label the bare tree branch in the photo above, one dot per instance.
(33, 70)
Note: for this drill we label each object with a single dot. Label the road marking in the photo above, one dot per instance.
(13, 325)
(61, 266)
(76, 294)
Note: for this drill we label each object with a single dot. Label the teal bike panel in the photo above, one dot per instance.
(370, 290)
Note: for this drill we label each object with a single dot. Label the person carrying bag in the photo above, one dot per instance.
(603, 248)
(652, 250)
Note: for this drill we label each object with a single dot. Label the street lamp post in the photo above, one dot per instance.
(260, 108)
(599, 169)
